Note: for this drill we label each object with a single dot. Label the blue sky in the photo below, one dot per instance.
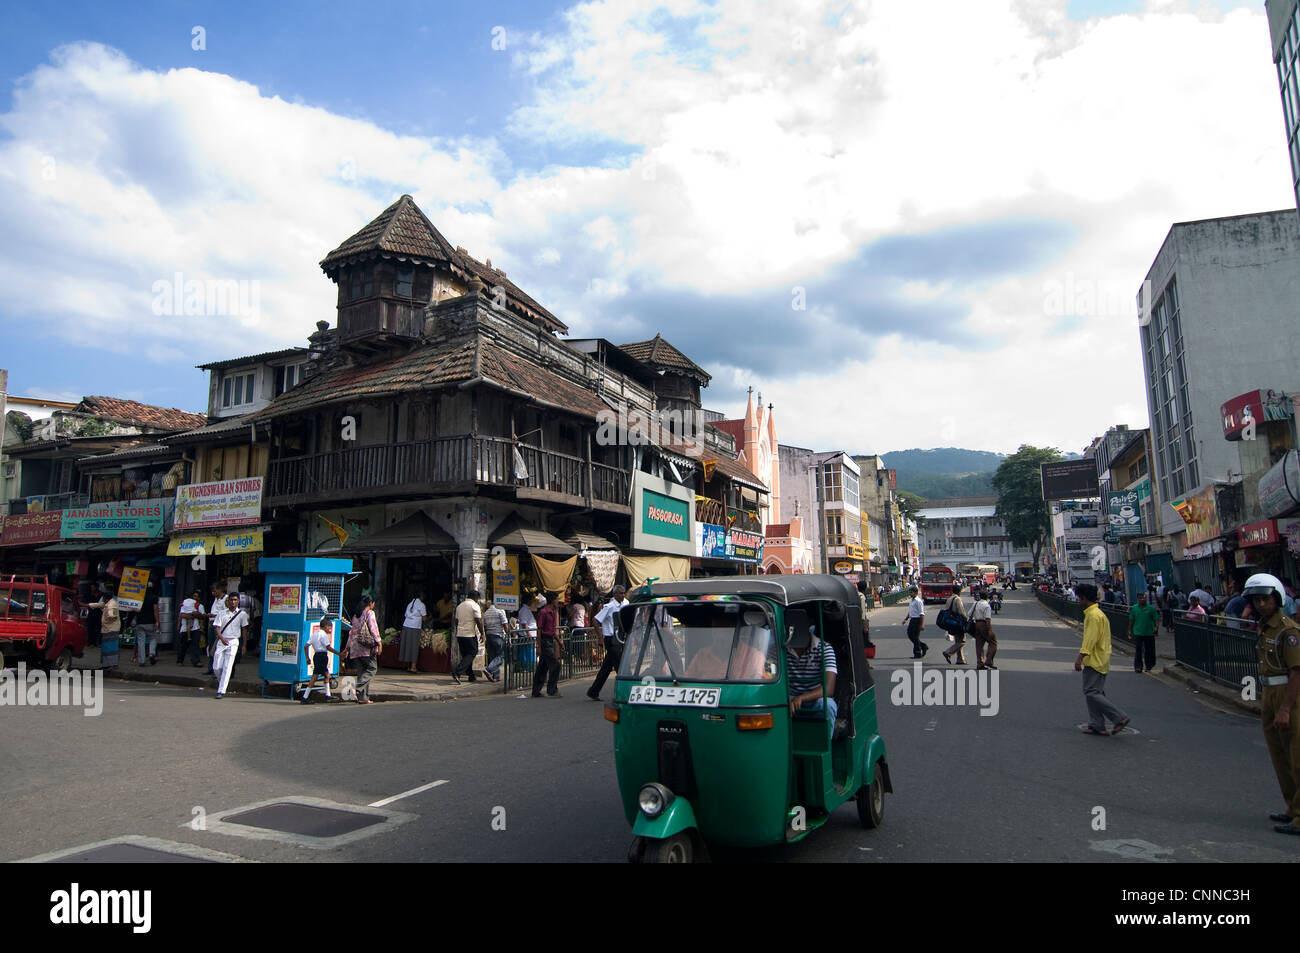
(639, 168)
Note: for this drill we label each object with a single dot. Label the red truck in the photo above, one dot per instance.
(936, 582)
(39, 623)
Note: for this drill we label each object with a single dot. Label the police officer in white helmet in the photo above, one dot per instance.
(1279, 673)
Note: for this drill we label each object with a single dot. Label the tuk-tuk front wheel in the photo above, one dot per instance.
(64, 662)
(871, 802)
(678, 849)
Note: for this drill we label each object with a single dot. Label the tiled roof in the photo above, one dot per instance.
(430, 368)
(659, 353)
(734, 427)
(420, 369)
(403, 230)
(134, 412)
(777, 530)
(231, 425)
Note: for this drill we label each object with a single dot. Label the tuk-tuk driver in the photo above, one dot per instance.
(710, 662)
(805, 657)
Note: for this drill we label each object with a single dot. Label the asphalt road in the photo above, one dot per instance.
(530, 780)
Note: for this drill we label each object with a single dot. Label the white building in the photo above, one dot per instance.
(965, 530)
(827, 486)
(1284, 30)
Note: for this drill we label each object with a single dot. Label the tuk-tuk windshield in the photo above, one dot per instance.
(701, 641)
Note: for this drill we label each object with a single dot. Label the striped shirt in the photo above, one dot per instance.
(494, 621)
(805, 670)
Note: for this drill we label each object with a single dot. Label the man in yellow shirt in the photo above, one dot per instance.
(1094, 663)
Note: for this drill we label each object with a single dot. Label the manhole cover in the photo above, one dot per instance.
(306, 820)
(129, 854)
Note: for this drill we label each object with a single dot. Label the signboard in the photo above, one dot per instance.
(1083, 520)
(192, 546)
(1289, 530)
(223, 503)
(1123, 513)
(29, 529)
(287, 599)
(1279, 488)
(1069, 480)
(281, 645)
(139, 520)
(663, 516)
(505, 585)
(1254, 406)
(1201, 514)
(131, 590)
(719, 542)
(249, 541)
(843, 566)
(855, 551)
(1258, 534)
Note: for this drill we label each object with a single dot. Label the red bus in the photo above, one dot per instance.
(936, 582)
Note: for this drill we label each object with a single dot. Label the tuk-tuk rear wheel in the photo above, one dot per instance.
(871, 802)
(678, 849)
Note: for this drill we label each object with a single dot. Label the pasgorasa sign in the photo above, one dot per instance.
(663, 516)
(222, 503)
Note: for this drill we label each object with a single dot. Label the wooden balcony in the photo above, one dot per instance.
(446, 465)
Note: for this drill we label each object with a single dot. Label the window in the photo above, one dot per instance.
(288, 377)
(361, 284)
(830, 482)
(405, 279)
(237, 389)
(834, 531)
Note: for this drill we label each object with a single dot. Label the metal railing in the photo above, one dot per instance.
(584, 651)
(1217, 649)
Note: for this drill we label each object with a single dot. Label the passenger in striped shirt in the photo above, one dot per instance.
(804, 660)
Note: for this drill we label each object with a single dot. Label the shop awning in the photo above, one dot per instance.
(667, 568)
(516, 534)
(415, 534)
(103, 545)
(584, 539)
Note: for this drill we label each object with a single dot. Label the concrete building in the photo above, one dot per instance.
(827, 486)
(1284, 30)
(1220, 319)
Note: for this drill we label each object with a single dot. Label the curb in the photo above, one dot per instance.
(253, 687)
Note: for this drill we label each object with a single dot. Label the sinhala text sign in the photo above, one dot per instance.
(223, 503)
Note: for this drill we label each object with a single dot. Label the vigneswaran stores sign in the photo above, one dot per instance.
(223, 503)
(663, 516)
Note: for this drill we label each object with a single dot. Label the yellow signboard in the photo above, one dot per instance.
(130, 592)
(192, 546)
(505, 582)
(249, 541)
(855, 551)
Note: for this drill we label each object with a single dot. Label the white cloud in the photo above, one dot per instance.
(775, 145)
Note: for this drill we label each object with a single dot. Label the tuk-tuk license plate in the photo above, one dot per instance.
(674, 695)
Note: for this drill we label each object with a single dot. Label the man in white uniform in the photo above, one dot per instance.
(229, 625)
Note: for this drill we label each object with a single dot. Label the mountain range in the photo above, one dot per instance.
(947, 471)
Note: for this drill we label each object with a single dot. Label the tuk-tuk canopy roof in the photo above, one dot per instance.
(782, 589)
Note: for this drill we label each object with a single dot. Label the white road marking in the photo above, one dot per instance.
(397, 797)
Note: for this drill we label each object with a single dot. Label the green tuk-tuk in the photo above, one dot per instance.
(706, 746)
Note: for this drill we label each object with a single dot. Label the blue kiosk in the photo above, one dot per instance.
(300, 592)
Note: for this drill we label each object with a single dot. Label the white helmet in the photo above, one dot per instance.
(1261, 584)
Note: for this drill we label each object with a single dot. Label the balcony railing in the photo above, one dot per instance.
(443, 463)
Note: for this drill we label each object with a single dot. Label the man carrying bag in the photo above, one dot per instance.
(952, 619)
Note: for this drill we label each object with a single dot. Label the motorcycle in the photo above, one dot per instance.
(996, 603)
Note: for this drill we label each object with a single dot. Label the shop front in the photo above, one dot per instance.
(218, 536)
(1265, 547)
(21, 539)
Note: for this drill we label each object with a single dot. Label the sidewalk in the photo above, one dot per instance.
(388, 685)
(1194, 680)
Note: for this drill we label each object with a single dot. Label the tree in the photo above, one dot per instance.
(1021, 506)
(908, 504)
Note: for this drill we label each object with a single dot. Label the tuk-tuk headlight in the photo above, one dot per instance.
(654, 799)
